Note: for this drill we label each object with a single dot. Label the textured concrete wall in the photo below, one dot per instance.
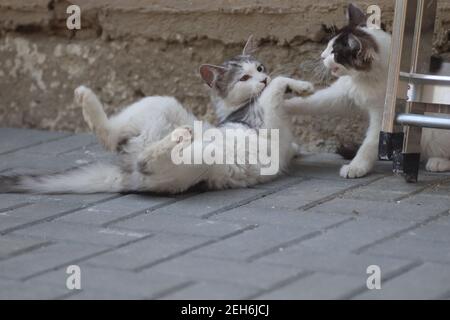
(129, 49)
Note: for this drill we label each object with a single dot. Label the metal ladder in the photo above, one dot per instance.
(412, 90)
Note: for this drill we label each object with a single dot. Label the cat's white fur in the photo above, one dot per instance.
(148, 126)
(366, 90)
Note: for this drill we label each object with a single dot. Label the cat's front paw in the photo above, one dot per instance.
(300, 87)
(354, 170)
(438, 165)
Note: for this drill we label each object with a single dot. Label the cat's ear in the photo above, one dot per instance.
(355, 16)
(250, 47)
(209, 73)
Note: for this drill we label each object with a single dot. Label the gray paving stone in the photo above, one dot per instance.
(428, 281)
(45, 258)
(303, 193)
(368, 194)
(61, 145)
(316, 171)
(327, 166)
(78, 199)
(254, 242)
(210, 290)
(119, 208)
(391, 188)
(427, 199)
(16, 290)
(102, 283)
(440, 189)
(154, 222)
(204, 204)
(98, 295)
(356, 234)
(24, 164)
(333, 262)
(13, 139)
(319, 285)
(252, 274)
(392, 183)
(88, 154)
(411, 247)
(435, 231)
(444, 220)
(280, 217)
(398, 210)
(147, 251)
(33, 212)
(38, 211)
(10, 201)
(280, 183)
(14, 245)
(80, 234)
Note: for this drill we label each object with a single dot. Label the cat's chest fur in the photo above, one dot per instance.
(367, 95)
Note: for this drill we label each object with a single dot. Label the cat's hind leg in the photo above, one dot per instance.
(95, 116)
(160, 152)
(438, 165)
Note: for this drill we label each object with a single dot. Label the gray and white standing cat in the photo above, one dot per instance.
(359, 57)
(142, 135)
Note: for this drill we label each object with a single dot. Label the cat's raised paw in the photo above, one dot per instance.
(438, 165)
(299, 86)
(352, 171)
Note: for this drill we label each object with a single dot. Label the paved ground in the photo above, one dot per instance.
(309, 235)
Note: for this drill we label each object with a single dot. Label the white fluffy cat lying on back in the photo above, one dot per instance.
(359, 57)
(143, 136)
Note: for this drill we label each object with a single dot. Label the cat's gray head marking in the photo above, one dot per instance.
(353, 48)
(238, 80)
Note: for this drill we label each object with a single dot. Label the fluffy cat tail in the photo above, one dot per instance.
(89, 179)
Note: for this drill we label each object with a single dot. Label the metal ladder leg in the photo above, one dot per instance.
(420, 62)
(411, 146)
(391, 136)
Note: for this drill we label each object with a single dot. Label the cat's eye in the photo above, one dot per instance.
(260, 68)
(245, 78)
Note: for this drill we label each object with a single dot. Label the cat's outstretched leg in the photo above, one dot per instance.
(273, 95)
(95, 116)
(332, 100)
(438, 165)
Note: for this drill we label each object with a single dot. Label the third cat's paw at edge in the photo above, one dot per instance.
(300, 87)
(438, 165)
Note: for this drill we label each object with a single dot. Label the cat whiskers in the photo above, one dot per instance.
(320, 74)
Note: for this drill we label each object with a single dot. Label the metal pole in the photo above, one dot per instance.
(426, 121)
